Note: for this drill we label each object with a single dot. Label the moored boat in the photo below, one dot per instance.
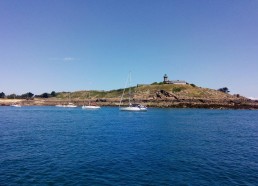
(131, 107)
(134, 107)
(90, 107)
(15, 105)
(70, 105)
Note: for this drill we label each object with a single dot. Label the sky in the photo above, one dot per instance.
(64, 45)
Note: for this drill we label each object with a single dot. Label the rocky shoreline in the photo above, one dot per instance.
(157, 95)
(241, 103)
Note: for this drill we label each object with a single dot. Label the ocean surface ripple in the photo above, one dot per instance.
(62, 146)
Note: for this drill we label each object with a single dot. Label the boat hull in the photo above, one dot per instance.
(15, 105)
(66, 106)
(91, 107)
(59, 105)
(70, 106)
(132, 109)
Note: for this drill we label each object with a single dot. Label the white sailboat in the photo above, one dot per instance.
(90, 106)
(131, 107)
(15, 104)
(59, 105)
(69, 105)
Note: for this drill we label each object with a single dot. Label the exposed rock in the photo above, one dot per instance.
(153, 96)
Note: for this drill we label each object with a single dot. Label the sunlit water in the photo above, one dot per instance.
(71, 146)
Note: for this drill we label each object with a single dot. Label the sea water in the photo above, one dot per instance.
(71, 146)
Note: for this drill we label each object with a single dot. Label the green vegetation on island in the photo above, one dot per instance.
(153, 95)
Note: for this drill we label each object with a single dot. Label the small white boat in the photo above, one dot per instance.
(15, 105)
(70, 105)
(59, 105)
(134, 107)
(90, 107)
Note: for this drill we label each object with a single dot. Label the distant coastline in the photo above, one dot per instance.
(156, 95)
(194, 103)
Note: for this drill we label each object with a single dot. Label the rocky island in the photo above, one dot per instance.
(154, 95)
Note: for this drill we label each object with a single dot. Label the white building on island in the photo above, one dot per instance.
(178, 82)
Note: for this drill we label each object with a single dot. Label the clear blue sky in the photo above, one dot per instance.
(69, 45)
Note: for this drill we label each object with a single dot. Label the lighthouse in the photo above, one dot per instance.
(165, 78)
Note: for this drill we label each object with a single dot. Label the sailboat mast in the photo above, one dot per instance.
(130, 88)
(124, 89)
(89, 97)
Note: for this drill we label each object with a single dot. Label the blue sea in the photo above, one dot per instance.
(71, 146)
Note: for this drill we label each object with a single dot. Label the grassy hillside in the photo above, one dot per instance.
(156, 95)
(148, 91)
